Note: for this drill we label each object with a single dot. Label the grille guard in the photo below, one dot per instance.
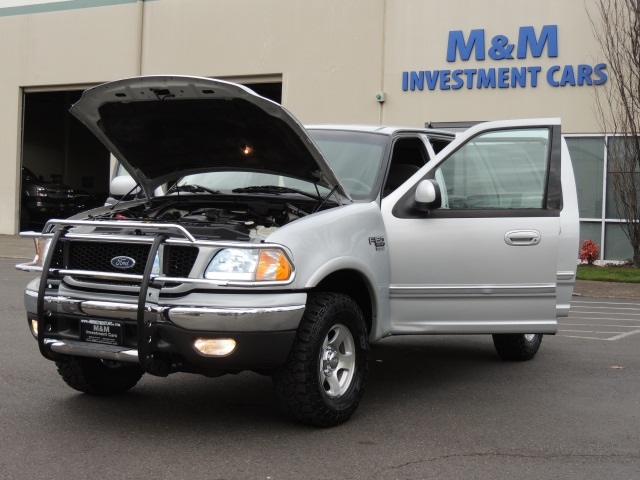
(157, 229)
(160, 234)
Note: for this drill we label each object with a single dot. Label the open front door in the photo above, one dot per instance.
(485, 261)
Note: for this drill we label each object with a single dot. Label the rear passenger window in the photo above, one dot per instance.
(504, 169)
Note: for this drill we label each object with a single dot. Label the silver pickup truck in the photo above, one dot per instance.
(288, 250)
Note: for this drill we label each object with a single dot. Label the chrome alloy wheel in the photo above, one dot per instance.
(529, 337)
(337, 361)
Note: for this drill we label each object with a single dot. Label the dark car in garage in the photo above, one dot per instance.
(42, 200)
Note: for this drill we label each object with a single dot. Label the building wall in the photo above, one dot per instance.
(329, 53)
(333, 56)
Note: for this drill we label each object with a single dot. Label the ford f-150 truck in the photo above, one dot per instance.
(288, 250)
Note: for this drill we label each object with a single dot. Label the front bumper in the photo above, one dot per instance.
(175, 352)
(197, 312)
(264, 328)
(146, 315)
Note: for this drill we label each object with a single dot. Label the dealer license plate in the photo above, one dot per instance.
(108, 332)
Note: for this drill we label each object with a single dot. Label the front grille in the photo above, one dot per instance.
(180, 260)
(98, 256)
(58, 258)
(95, 256)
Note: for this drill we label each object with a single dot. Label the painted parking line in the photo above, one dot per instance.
(570, 334)
(619, 311)
(601, 320)
(590, 324)
(593, 302)
(605, 318)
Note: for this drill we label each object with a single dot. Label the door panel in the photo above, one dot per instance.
(486, 261)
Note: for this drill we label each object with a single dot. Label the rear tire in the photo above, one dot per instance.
(517, 346)
(98, 377)
(323, 379)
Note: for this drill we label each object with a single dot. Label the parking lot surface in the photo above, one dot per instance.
(601, 319)
(435, 407)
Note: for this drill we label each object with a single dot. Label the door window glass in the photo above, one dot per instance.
(503, 169)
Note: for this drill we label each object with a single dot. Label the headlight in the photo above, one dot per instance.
(155, 269)
(42, 247)
(270, 264)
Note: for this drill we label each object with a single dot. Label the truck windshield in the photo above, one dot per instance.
(245, 181)
(354, 156)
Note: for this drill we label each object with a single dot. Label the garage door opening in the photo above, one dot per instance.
(270, 90)
(65, 169)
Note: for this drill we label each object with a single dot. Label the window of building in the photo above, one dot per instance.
(600, 220)
(587, 156)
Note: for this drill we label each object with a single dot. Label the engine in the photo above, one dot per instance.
(234, 221)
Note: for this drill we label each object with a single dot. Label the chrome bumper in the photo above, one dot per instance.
(252, 318)
(95, 350)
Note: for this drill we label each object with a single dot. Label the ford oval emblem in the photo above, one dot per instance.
(123, 262)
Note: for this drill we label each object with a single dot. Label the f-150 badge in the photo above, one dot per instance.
(378, 242)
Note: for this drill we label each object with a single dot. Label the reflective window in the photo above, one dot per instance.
(497, 170)
(587, 157)
(591, 231)
(354, 156)
(617, 246)
(623, 178)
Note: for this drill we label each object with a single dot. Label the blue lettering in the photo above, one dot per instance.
(518, 77)
(432, 78)
(534, 71)
(470, 72)
(584, 74)
(455, 76)
(445, 78)
(500, 48)
(599, 71)
(405, 81)
(527, 39)
(416, 81)
(456, 44)
(503, 78)
(487, 78)
(550, 73)
(568, 76)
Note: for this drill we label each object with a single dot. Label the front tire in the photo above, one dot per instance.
(323, 378)
(98, 377)
(517, 346)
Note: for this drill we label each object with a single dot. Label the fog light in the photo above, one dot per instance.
(34, 327)
(215, 347)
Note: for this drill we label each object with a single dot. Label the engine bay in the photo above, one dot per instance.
(248, 220)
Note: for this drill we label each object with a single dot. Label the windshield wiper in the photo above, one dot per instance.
(274, 190)
(192, 189)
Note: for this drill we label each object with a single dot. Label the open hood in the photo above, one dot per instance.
(165, 127)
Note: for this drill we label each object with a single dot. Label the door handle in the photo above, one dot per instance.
(522, 238)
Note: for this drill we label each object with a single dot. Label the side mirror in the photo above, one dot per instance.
(427, 196)
(122, 185)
